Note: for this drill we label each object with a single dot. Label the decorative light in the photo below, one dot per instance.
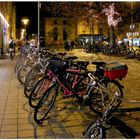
(110, 12)
(4, 20)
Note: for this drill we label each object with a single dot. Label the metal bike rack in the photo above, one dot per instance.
(129, 109)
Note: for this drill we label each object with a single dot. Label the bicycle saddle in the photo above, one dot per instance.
(99, 63)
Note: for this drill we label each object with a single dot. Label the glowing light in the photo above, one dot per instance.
(110, 12)
(25, 21)
(132, 26)
(4, 20)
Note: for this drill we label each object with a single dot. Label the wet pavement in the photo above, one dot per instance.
(66, 120)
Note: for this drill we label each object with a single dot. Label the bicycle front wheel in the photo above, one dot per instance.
(38, 91)
(23, 72)
(33, 76)
(45, 104)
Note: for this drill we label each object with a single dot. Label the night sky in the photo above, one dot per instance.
(27, 10)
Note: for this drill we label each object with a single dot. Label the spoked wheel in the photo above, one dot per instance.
(22, 73)
(95, 131)
(38, 91)
(45, 104)
(33, 76)
(137, 54)
(113, 98)
(109, 97)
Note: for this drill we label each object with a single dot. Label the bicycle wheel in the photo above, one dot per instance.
(38, 91)
(137, 54)
(45, 104)
(110, 96)
(22, 73)
(20, 62)
(33, 76)
(113, 98)
(95, 131)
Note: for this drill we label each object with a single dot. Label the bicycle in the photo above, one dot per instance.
(40, 87)
(38, 72)
(47, 100)
(98, 128)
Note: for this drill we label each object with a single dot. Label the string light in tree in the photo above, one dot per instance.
(110, 13)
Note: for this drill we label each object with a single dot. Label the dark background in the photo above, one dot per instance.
(27, 10)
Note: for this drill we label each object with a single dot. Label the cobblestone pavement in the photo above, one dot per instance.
(16, 117)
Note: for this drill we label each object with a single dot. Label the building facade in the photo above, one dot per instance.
(129, 29)
(7, 25)
(58, 30)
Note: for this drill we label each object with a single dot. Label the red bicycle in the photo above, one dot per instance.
(91, 88)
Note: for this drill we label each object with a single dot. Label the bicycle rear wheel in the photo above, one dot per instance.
(45, 104)
(38, 91)
(99, 101)
(95, 131)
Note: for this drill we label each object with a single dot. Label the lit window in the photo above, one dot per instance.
(132, 26)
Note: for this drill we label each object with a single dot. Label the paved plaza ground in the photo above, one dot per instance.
(16, 117)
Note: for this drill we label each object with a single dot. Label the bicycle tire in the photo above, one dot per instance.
(38, 91)
(95, 131)
(19, 62)
(42, 109)
(32, 77)
(26, 69)
(95, 99)
(137, 54)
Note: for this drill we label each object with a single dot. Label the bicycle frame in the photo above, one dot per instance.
(63, 82)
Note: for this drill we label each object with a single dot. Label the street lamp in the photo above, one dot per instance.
(25, 22)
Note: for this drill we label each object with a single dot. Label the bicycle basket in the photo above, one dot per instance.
(115, 70)
(58, 65)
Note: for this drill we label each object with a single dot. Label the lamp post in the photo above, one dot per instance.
(22, 33)
(132, 26)
(25, 22)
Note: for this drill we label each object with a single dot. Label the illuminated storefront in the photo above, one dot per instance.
(7, 26)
